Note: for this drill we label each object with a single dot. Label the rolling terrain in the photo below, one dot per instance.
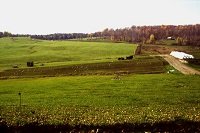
(82, 86)
(18, 51)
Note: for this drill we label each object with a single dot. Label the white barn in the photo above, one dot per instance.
(181, 55)
(170, 38)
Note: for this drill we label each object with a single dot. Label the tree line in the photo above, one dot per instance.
(60, 36)
(56, 36)
(183, 34)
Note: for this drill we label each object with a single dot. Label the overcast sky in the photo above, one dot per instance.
(86, 16)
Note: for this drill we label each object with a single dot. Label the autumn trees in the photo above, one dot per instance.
(152, 39)
(184, 34)
(179, 41)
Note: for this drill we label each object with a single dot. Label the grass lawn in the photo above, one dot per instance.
(100, 100)
(17, 51)
(167, 42)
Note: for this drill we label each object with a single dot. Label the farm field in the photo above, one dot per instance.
(98, 66)
(82, 83)
(148, 49)
(142, 65)
(166, 50)
(100, 100)
(73, 58)
(17, 51)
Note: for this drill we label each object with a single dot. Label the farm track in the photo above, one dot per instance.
(163, 51)
(119, 67)
(179, 65)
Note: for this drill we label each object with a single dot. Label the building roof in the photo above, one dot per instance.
(181, 55)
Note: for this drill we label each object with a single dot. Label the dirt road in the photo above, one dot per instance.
(179, 65)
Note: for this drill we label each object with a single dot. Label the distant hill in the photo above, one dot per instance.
(19, 50)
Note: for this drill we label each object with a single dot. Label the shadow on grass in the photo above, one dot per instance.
(179, 125)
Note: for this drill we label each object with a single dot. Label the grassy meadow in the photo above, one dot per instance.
(17, 51)
(100, 99)
(96, 99)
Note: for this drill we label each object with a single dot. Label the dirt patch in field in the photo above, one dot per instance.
(157, 49)
(170, 126)
(150, 65)
(163, 49)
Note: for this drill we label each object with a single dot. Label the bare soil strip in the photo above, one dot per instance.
(179, 65)
(119, 67)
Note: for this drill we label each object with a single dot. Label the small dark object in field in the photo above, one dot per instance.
(42, 64)
(15, 66)
(121, 58)
(117, 77)
(32, 111)
(20, 100)
(129, 57)
(30, 64)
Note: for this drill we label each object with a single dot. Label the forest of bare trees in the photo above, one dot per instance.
(183, 34)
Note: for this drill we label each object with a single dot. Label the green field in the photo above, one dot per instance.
(101, 100)
(167, 42)
(17, 51)
(84, 83)
(140, 65)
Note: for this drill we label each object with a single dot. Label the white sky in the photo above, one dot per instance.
(67, 16)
